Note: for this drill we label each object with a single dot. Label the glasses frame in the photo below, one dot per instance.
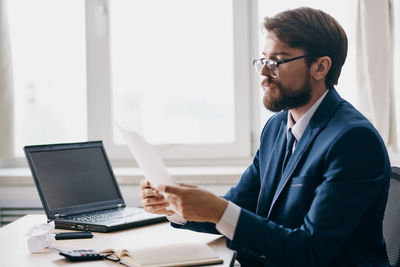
(112, 257)
(269, 63)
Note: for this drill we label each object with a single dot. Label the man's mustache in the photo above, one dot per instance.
(269, 81)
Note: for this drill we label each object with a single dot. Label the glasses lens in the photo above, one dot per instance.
(258, 64)
(272, 68)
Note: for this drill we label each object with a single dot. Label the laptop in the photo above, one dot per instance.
(78, 188)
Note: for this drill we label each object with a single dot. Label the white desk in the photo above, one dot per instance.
(14, 250)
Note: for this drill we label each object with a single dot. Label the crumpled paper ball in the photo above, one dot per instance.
(40, 236)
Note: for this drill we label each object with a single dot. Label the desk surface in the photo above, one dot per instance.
(14, 250)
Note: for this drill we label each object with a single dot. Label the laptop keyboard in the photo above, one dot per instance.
(107, 215)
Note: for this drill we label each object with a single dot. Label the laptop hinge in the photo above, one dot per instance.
(119, 206)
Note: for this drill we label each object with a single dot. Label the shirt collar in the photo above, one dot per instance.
(299, 126)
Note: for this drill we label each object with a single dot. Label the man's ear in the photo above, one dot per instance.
(321, 67)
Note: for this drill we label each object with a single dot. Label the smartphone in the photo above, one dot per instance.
(74, 235)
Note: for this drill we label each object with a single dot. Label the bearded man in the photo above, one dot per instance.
(316, 191)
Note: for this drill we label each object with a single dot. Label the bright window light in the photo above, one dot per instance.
(49, 69)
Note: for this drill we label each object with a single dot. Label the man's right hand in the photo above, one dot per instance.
(152, 200)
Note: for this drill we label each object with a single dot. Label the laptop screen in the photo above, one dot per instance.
(74, 176)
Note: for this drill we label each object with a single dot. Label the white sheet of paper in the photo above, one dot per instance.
(148, 159)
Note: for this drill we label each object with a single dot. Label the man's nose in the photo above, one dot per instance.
(265, 71)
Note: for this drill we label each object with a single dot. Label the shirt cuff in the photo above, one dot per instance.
(227, 223)
(176, 218)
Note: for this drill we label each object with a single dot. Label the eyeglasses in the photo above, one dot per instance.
(112, 257)
(272, 65)
(110, 254)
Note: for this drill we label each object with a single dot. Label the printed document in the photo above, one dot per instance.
(148, 159)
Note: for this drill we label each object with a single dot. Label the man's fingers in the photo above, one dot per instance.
(146, 193)
(144, 184)
(154, 201)
(149, 192)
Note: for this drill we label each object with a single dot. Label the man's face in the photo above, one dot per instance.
(292, 89)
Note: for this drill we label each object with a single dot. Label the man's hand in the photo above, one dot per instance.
(195, 204)
(152, 201)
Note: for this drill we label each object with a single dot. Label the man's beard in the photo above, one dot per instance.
(285, 98)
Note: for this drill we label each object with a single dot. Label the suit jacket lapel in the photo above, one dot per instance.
(272, 172)
(321, 116)
(294, 160)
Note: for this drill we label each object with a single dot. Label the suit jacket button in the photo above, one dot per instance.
(263, 257)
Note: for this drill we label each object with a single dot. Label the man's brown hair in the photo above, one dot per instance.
(314, 31)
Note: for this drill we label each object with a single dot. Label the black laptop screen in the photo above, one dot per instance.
(74, 177)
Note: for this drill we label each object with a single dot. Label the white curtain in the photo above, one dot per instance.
(375, 66)
(6, 90)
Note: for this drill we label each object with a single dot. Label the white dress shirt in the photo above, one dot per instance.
(228, 221)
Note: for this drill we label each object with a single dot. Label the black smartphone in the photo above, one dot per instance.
(82, 255)
(74, 235)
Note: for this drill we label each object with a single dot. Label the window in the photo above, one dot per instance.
(174, 71)
(49, 68)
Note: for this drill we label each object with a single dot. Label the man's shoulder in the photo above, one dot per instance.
(337, 116)
(350, 131)
(347, 118)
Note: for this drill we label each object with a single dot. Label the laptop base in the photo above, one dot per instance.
(82, 226)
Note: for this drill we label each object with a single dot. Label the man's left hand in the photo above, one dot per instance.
(195, 204)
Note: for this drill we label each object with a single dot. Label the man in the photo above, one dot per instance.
(316, 191)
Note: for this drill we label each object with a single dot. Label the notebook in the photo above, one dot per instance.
(78, 189)
(180, 254)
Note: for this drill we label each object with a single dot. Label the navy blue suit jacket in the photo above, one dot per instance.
(327, 207)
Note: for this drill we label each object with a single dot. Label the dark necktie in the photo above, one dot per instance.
(289, 147)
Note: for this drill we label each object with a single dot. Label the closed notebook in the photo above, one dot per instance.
(183, 254)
